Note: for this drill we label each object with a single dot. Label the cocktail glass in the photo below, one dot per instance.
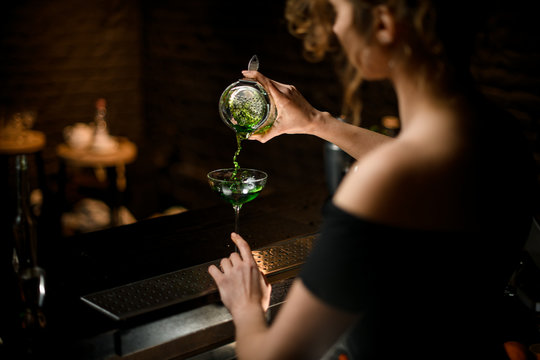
(237, 186)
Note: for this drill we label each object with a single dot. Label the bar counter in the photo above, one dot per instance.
(96, 262)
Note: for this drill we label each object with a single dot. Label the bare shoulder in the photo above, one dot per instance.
(401, 184)
(374, 181)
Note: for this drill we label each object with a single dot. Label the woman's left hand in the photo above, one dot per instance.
(240, 281)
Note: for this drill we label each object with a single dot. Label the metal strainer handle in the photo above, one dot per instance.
(253, 64)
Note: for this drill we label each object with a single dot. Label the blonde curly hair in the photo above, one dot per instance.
(432, 41)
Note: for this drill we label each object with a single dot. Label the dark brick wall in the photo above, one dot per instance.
(58, 57)
(163, 64)
(506, 64)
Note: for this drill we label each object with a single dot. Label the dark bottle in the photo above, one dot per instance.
(336, 164)
(30, 276)
(23, 334)
(24, 225)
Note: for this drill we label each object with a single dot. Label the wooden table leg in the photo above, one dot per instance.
(114, 196)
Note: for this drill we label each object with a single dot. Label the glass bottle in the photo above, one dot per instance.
(30, 276)
(336, 164)
(24, 225)
(103, 142)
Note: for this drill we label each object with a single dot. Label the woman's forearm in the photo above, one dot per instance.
(251, 332)
(354, 140)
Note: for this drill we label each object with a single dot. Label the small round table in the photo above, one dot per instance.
(28, 142)
(109, 165)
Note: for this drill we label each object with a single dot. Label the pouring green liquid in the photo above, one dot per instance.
(239, 138)
(245, 107)
(248, 110)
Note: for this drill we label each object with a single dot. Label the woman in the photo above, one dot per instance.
(423, 233)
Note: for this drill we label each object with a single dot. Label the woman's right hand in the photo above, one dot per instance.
(240, 282)
(294, 114)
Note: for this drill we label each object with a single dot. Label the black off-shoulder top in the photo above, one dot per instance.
(422, 294)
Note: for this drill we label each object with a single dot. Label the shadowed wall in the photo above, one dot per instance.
(162, 65)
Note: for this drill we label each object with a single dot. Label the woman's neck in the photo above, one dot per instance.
(419, 100)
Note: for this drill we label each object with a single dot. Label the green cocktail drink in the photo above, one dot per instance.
(237, 189)
(237, 186)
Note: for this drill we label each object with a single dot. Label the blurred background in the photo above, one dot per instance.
(161, 65)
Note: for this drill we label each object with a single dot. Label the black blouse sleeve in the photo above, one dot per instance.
(357, 264)
(342, 267)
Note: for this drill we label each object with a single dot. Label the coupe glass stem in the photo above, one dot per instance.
(236, 216)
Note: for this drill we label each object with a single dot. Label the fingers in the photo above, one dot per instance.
(266, 290)
(225, 264)
(263, 138)
(273, 87)
(250, 74)
(233, 260)
(215, 273)
(243, 246)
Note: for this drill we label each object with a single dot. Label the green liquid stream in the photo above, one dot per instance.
(239, 138)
